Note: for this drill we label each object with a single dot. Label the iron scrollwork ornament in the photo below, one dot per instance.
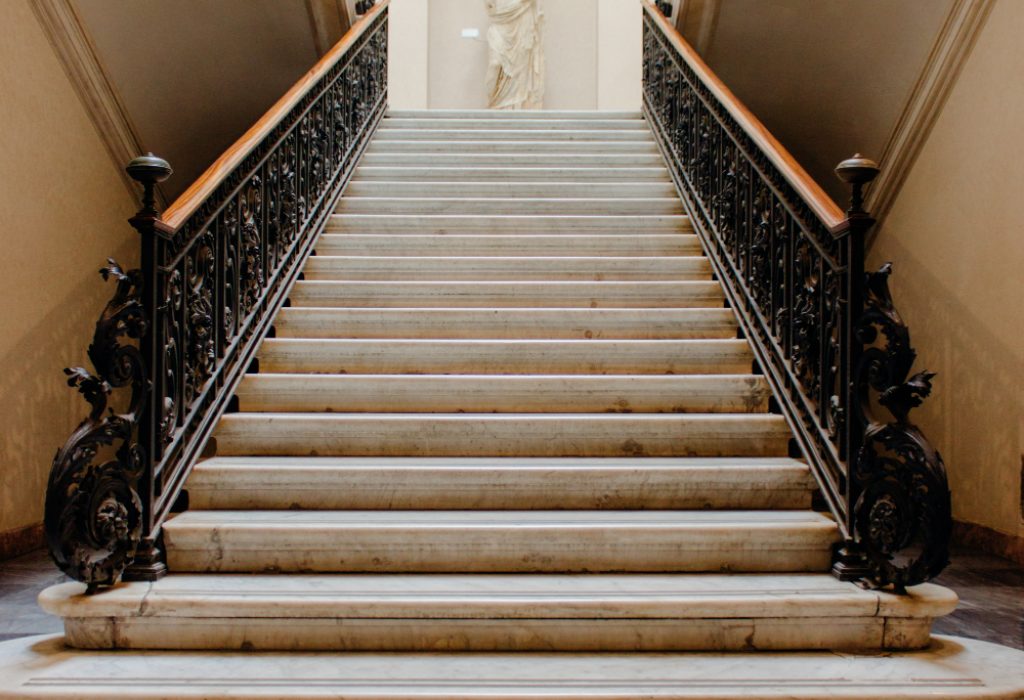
(902, 516)
(93, 515)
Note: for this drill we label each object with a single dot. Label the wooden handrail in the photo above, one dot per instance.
(809, 190)
(191, 199)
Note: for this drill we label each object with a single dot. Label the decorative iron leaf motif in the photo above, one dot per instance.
(792, 279)
(903, 512)
(93, 514)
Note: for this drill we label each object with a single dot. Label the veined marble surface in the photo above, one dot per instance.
(42, 667)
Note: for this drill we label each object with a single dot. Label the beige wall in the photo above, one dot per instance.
(956, 236)
(408, 45)
(62, 213)
(620, 42)
(592, 52)
(196, 74)
(828, 77)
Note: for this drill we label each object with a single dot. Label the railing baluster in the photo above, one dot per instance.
(793, 265)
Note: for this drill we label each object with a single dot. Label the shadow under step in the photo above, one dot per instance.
(538, 294)
(421, 356)
(655, 245)
(520, 224)
(623, 613)
(504, 323)
(495, 173)
(423, 483)
(468, 393)
(503, 435)
(499, 541)
(506, 269)
(498, 206)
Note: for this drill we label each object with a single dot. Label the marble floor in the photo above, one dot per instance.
(991, 598)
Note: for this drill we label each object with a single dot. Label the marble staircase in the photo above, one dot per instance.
(506, 410)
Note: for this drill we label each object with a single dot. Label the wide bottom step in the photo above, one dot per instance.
(43, 667)
(403, 612)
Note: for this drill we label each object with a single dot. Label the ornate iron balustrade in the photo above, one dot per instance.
(825, 333)
(214, 270)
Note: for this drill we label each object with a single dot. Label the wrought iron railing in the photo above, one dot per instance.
(825, 333)
(182, 330)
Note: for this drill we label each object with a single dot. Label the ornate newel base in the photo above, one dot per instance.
(148, 564)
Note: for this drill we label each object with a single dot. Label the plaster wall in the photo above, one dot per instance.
(62, 213)
(196, 74)
(828, 78)
(955, 236)
(592, 54)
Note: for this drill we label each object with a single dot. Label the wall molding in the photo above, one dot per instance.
(989, 541)
(21, 540)
(328, 21)
(75, 49)
(949, 53)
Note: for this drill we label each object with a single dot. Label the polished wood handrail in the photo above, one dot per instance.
(192, 198)
(809, 190)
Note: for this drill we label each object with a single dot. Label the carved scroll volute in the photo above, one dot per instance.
(902, 517)
(93, 514)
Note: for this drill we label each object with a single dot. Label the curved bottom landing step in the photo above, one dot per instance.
(43, 667)
(497, 613)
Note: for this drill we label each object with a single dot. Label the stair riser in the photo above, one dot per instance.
(654, 246)
(592, 295)
(515, 160)
(515, 487)
(517, 124)
(324, 267)
(389, 133)
(520, 324)
(496, 394)
(423, 224)
(543, 115)
(521, 549)
(543, 144)
(498, 207)
(403, 634)
(441, 435)
(474, 174)
(592, 190)
(505, 357)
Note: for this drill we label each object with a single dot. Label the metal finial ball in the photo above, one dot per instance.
(149, 168)
(857, 170)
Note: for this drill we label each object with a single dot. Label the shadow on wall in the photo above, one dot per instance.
(40, 410)
(975, 413)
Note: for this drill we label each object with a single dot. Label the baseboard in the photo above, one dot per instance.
(21, 540)
(989, 541)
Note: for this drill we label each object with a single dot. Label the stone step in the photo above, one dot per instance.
(390, 133)
(525, 612)
(521, 224)
(424, 483)
(506, 323)
(508, 269)
(496, 206)
(561, 190)
(555, 174)
(656, 245)
(443, 541)
(516, 160)
(635, 123)
(434, 294)
(415, 356)
(473, 393)
(518, 115)
(503, 435)
(44, 667)
(543, 144)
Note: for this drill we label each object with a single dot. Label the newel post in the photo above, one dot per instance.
(148, 170)
(857, 172)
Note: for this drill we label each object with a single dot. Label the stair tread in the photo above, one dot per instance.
(500, 596)
(44, 667)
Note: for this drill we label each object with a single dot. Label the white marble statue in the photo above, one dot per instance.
(515, 74)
